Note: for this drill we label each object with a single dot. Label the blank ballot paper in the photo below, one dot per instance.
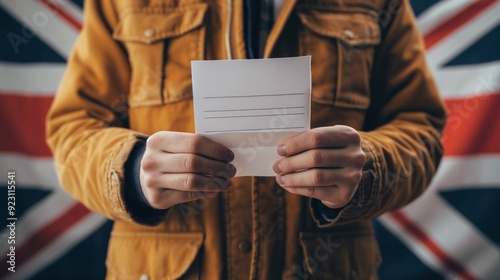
(250, 106)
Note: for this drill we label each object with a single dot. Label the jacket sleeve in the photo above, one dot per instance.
(401, 137)
(87, 123)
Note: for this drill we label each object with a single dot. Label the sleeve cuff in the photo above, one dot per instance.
(323, 213)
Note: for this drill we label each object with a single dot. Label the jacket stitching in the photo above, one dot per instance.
(229, 236)
(162, 10)
(367, 10)
(184, 235)
(254, 269)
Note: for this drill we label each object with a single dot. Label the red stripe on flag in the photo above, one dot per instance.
(455, 22)
(421, 236)
(43, 237)
(23, 124)
(58, 10)
(473, 126)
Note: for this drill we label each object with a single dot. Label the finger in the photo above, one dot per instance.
(310, 178)
(332, 196)
(338, 136)
(328, 192)
(178, 142)
(187, 163)
(186, 182)
(331, 158)
(168, 197)
(349, 177)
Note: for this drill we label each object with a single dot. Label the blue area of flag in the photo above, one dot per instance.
(78, 2)
(25, 199)
(486, 49)
(20, 44)
(420, 6)
(398, 262)
(480, 206)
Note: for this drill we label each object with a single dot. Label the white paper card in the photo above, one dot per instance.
(251, 105)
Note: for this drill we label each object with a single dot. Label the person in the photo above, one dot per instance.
(121, 130)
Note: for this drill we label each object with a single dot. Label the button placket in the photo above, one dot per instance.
(244, 246)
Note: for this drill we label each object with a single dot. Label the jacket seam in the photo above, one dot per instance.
(184, 235)
(161, 9)
(254, 269)
(368, 10)
(228, 235)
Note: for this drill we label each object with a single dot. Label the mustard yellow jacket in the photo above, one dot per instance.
(129, 76)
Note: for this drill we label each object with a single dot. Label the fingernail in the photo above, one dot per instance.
(278, 167)
(231, 169)
(229, 155)
(282, 150)
(281, 179)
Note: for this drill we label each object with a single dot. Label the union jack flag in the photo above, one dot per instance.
(56, 237)
(452, 231)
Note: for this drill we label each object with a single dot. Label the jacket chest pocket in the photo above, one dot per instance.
(341, 45)
(160, 43)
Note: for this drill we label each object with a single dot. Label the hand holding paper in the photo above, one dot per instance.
(250, 106)
(325, 163)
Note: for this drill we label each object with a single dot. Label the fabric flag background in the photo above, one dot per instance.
(452, 231)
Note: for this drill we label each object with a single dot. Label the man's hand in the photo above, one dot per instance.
(324, 163)
(182, 167)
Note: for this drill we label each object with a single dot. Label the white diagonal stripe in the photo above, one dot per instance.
(456, 173)
(71, 8)
(455, 235)
(433, 16)
(468, 34)
(416, 247)
(59, 247)
(468, 80)
(31, 172)
(38, 216)
(44, 23)
(40, 79)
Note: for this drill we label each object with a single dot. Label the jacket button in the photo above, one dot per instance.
(244, 246)
(349, 34)
(144, 277)
(150, 32)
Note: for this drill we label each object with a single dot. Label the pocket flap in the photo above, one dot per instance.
(352, 28)
(159, 255)
(148, 25)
